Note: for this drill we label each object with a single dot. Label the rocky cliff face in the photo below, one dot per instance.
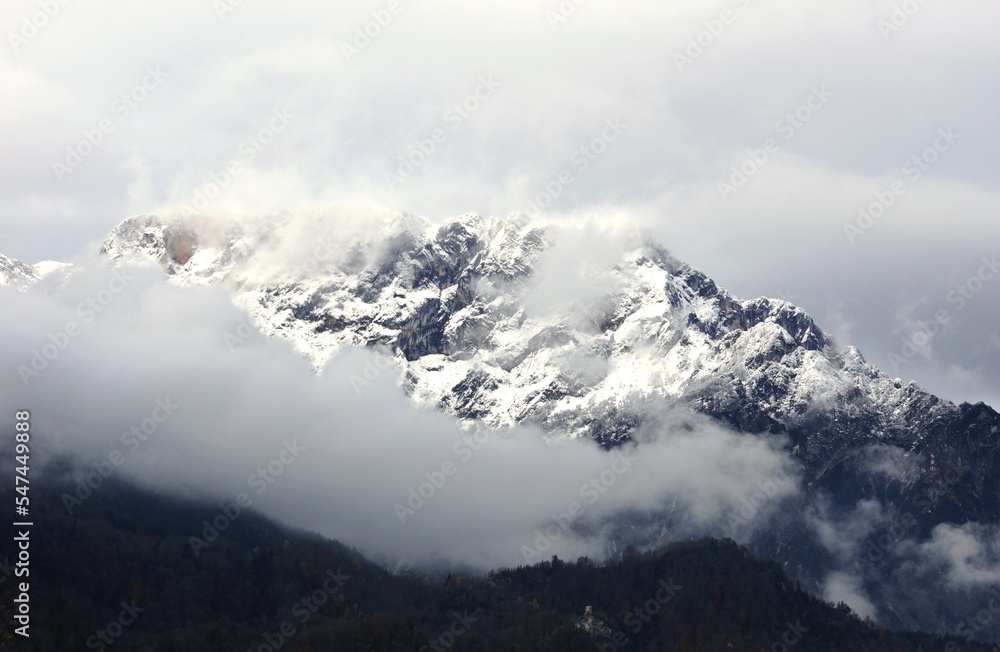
(468, 310)
(458, 303)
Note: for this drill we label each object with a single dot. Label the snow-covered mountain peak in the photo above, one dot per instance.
(511, 320)
(585, 332)
(22, 276)
(16, 274)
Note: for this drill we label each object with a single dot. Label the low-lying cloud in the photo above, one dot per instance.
(168, 379)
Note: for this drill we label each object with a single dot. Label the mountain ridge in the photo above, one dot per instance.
(464, 308)
(259, 578)
(456, 303)
(596, 334)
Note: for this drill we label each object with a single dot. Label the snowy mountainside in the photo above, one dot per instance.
(21, 276)
(16, 274)
(470, 310)
(460, 304)
(512, 320)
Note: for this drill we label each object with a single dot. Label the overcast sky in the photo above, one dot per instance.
(610, 111)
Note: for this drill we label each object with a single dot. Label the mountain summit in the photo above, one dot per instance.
(508, 320)
(603, 335)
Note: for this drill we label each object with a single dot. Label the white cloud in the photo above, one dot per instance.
(969, 554)
(843, 534)
(844, 587)
(558, 86)
(105, 370)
